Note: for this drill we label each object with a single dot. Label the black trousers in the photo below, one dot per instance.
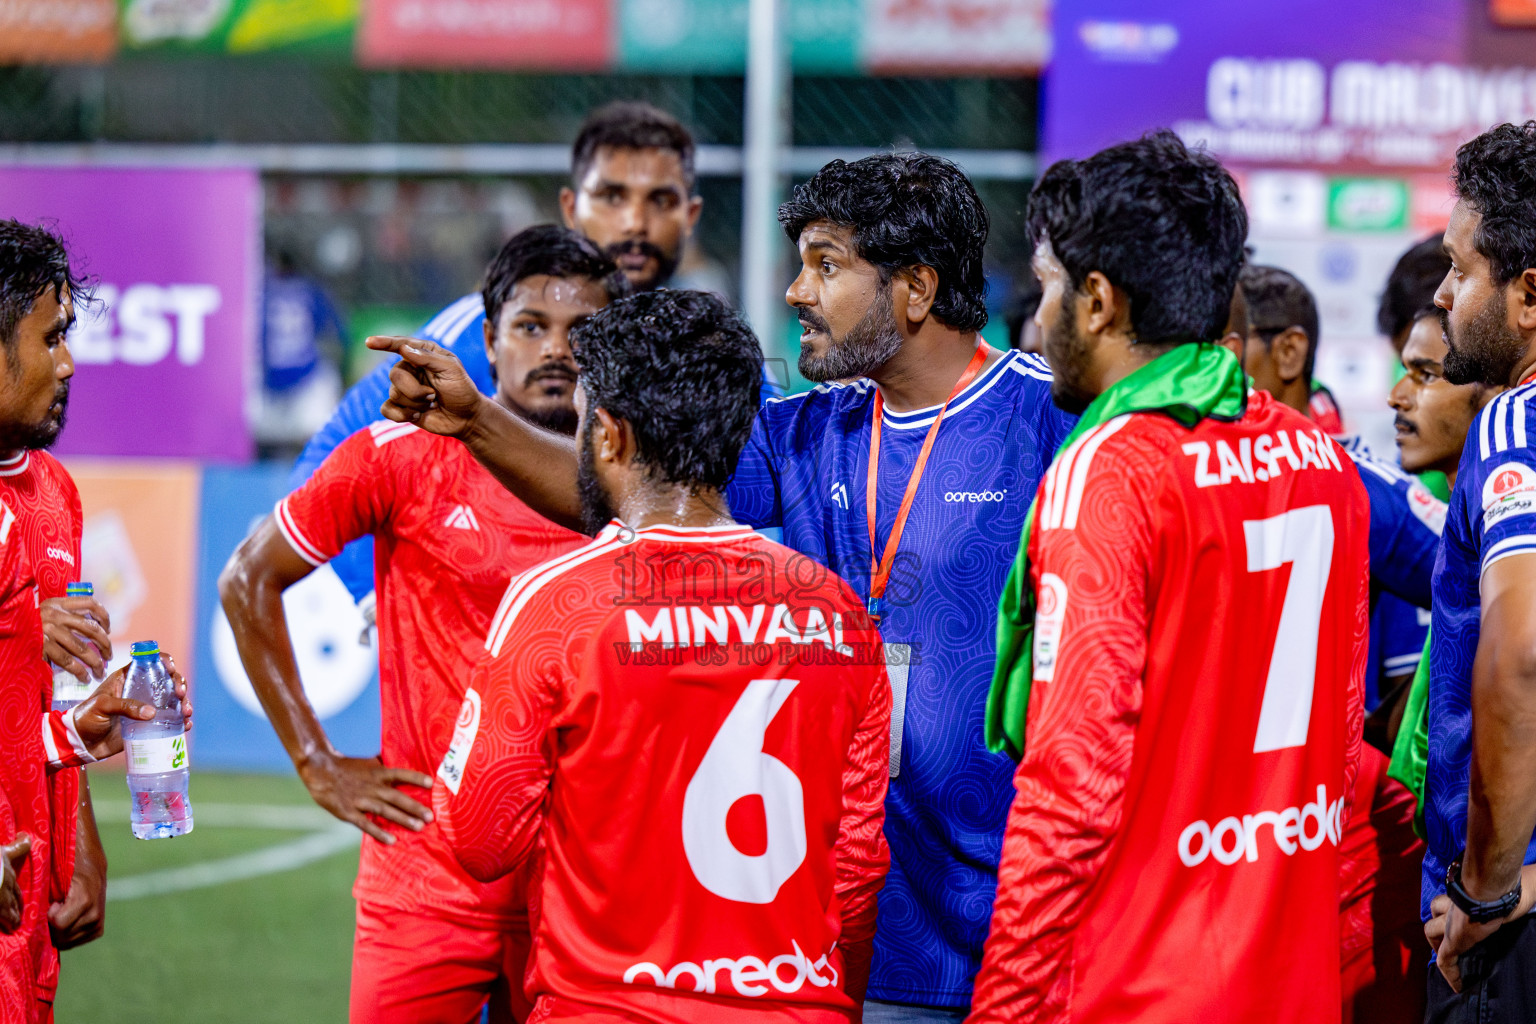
(1498, 981)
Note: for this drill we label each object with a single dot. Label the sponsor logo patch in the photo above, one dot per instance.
(1049, 616)
(451, 771)
(1510, 490)
(1425, 507)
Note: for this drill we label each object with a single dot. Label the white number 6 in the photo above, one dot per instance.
(735, 766)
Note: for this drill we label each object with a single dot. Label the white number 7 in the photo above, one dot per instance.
(1304, 538)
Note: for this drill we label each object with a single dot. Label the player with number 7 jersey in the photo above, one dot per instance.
(696, 721)
(1200, 643)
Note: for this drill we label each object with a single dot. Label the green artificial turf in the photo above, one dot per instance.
(273, 948)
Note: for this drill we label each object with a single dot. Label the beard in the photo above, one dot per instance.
(666, 265)
(1067, 352)
(559, 418)
(1485, 350)
(42, 434)
(868, 345)
(596, 507)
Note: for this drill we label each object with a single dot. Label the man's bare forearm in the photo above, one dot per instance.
(537, 465)
(1501, 809)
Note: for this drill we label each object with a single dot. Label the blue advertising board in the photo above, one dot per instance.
(340, 675)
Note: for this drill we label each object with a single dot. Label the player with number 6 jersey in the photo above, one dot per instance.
(1193, 692)
(686, 722)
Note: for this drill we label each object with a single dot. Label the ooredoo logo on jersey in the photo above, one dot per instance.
(1509, 490)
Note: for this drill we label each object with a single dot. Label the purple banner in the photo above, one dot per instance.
(161, 366)
(1362, 86)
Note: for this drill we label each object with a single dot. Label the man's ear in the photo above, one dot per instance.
(568, 207)
(612, 438)
(1234, 343)
(490, 341)
(1289, 353)
(921, 287)
(1109, 308)
(1524, 286)
(695, 207)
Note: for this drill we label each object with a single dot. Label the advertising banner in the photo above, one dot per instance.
(240, 26)
(57, 31)
(340, 675)
(567, 34)
(957, 37)
(163, 359)
(1339, 122)
(138, 548)
(711, 35)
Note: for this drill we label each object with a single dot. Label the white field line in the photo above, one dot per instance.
(326, 836)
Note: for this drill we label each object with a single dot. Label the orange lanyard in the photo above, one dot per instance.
(880, 569)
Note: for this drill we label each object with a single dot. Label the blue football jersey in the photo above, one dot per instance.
(1406, 522)
(1492, 516)
(804, 470)
(460, 328)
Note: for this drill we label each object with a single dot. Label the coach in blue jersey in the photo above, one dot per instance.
(631, 192)
(910, 479)
(1480, 811)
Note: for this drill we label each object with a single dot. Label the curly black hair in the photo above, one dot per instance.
(1412, 285)
(1496, 175)
(1160, 221)
(550, 250)
(628, 124)
(32, 259)
(906, 210)
(684, 370)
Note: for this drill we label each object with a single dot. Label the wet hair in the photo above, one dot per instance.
(906, 210)
(1496, 174)
(32, 260)
(1277, 300)
(628, 124)
(1412, 285)
(550, 250)
(684, 370)
(1163, 223)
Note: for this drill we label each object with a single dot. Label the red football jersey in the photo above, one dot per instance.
(1173, 850)
(696, 723)
(49, 521)
(448, 538)
(28, 963)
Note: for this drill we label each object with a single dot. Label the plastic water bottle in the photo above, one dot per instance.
(68, 690)
(156, 750)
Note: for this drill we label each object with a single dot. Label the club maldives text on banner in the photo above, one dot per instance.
(163, 360)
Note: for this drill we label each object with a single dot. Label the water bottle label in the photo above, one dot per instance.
(153, 756)
(67, 687)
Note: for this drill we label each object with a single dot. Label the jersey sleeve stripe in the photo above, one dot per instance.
(1080, 469)
(61, 740)
(1401, 663)
(1482, 430)
(1517, 415)
(295, 537)
(1500, 414)
(533, 581)
(1505, 548)
(1061, 473)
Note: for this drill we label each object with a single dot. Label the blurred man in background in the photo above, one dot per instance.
(1411, 287)
(1383, 955)
(646, 885)
(1480, 811)
(1160, 733)
(302, 340)
(631, 193)
(432, 943)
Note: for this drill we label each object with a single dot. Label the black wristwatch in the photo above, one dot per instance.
(1477, 910)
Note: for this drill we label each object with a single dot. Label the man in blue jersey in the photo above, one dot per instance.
(1480, 809)
(911, 481)
(631, 192)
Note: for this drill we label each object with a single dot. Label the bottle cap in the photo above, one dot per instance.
(146, 649)
(79, 590)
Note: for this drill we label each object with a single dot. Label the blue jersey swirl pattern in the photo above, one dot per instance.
(804, 470)
(1492, 516)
